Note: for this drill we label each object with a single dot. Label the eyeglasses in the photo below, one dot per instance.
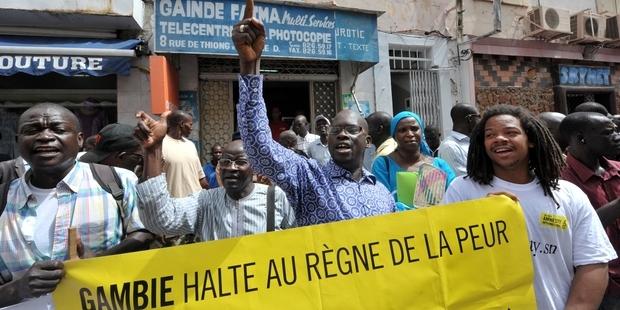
(226, 163)
(349, 129)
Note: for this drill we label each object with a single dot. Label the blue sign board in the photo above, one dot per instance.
(584, 76)
(204, 27)
(69, 65)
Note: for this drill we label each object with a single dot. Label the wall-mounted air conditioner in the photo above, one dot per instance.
(549, 19)
(587, 27)
(613, 28)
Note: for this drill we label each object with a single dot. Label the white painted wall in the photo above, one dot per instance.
(441, 53)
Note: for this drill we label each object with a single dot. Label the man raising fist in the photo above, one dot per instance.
(342, 188)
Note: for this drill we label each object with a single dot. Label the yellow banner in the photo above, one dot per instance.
(470, 255)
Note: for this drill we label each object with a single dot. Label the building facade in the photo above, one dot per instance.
(321, 57)
(549, 55)
(81, 54)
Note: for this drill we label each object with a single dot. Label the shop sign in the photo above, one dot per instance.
(70, 64)
(204, 27)
(66, 65)
(584, 76)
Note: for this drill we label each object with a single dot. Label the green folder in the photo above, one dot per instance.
(406, 182)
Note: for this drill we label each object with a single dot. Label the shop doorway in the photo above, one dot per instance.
(567, 98)
(291, 98)
(573, 99)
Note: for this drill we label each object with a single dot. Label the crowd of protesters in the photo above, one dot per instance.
(564, 166)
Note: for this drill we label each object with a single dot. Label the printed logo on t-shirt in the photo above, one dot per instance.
(554, 220)
(537, 247)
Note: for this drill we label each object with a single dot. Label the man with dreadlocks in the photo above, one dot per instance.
(511, 151)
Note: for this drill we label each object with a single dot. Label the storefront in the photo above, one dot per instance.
(77, 73)
(544, 76)
(310, 61)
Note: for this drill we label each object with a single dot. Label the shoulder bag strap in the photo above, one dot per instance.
(109, 180)
(271, 208)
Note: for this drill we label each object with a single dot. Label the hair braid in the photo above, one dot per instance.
(545, 157)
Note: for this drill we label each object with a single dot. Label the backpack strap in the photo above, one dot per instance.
(5, 275)
(271, 208)
(8, 173)
(109, 180)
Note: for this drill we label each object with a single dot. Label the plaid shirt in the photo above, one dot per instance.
(82, 203)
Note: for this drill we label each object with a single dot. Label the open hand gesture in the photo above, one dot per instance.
(249, 39)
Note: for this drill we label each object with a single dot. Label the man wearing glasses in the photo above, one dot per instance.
(454, 149)
(339, 190)
(239, 208)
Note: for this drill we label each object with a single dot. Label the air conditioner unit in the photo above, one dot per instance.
(587, 27)
(549, 19)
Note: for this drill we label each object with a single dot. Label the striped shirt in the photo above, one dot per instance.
(82, 203)
(210, 214)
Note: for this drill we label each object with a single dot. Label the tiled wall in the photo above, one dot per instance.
(525, 81)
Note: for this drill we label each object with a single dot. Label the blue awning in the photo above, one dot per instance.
(66, 56)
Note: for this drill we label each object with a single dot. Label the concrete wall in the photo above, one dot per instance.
(134, 92)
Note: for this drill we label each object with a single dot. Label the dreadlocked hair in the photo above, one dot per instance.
(545, 158)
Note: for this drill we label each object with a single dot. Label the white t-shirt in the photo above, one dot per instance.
(46, 208)
(556, 248)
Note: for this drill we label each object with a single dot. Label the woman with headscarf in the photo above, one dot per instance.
(407, 128)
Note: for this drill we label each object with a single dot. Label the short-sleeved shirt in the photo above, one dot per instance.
(182, 166)
(556, 251)
(82, 203)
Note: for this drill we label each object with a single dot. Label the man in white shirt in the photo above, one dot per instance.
(512, 153)
(454, 148)
(304, 137)
(318, 149)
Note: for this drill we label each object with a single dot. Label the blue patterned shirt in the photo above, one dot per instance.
(319, 194)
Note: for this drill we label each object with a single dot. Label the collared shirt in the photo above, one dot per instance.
(386, 148)
(319, 194)
(303, 143)
(319, 151)
(210, 214)
(600, 190)
(454, 151)
(82, 203)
